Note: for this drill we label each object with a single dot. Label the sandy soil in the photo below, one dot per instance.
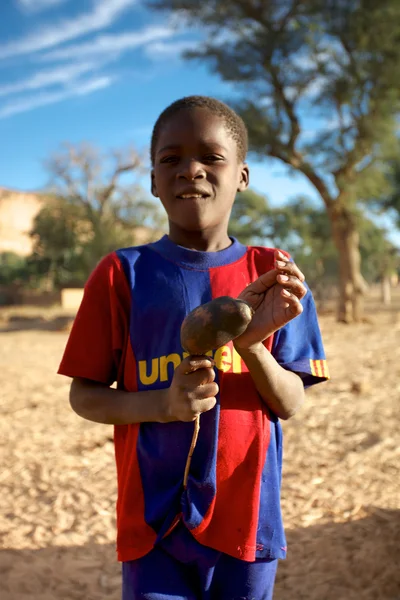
(341, 491)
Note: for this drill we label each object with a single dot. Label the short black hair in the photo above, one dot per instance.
(233, 123)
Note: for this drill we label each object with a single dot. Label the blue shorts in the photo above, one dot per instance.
(179, 568)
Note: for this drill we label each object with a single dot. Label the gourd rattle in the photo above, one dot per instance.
(207, 328)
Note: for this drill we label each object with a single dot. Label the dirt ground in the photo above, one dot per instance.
(340, 497)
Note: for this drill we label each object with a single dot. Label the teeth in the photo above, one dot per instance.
(191, 196)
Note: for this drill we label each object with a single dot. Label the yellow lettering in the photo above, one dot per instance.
(148, 379)
(175, 359)
(236, 361)
(223, 358)
(185, 354)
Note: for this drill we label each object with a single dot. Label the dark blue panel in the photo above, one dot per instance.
(299, 341)
(271, 542)
(202, 478)
(162, 294)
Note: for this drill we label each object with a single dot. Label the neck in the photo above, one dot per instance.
(210, 240)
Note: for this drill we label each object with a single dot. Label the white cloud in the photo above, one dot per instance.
(93, 85)
(103, 14)
(30, 103)
(112, 44)
(34, 6)
(49, 77)
(168, 50)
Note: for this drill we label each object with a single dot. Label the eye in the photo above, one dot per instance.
(169, 159)
(213, 158)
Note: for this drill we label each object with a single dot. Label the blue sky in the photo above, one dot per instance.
(98, 71)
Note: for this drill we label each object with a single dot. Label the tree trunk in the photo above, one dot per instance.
(386, 290)
(50, 279)
(351, 282)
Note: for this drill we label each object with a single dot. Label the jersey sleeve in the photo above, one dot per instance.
(98, 335)
(298, 345)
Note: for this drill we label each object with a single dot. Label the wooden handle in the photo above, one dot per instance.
(191, 450)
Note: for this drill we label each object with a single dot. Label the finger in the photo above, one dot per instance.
(194, 363)
(290, 269)
(283, 265)
(294, 307)
(201, 392)
(199, 377)
(293, 285)
(280, 255)
(200, 406)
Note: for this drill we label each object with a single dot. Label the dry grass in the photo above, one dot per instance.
(341, 497)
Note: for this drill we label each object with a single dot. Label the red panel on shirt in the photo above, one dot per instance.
(244, 434)
(99, 349)
(100, 330)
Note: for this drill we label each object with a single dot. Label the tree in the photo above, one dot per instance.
(304, 229)
(60, 232)
(250, 220)
(391, 201)
(321, 87)
(13, 268)
(107, 212)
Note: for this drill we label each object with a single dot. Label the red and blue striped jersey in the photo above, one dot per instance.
(127, 330)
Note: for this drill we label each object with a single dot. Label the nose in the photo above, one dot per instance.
(191, 170)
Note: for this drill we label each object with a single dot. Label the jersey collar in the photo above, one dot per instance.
(197, 259)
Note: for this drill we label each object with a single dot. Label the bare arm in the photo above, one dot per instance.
(275, 297)
(281, 390)
(192, 392)
(99, 403)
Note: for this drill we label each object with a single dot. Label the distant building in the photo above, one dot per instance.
(17, 213)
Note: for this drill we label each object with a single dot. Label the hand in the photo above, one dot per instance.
(275, 298)
(192, 389)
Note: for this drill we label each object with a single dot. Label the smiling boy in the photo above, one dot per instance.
(221, 537)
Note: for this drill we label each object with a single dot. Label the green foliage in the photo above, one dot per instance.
(379, 256)
(59, 232)
(318, 82)
(303, 230)
(391, 201)
(13, 268)
(249, 220)
(90, 214)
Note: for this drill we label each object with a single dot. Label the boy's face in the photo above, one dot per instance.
(196, 171)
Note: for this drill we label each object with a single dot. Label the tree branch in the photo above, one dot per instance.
(107, 192)
(288, 107)
(298, 163)
(61, 172)
(362, 147)
(290, 13)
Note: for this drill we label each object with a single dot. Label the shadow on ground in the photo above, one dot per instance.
(37, 323)
(357, 560)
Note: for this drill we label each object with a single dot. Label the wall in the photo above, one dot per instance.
(17, 212)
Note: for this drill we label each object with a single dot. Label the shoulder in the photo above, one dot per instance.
(132, 253)
(107, 271)
(118, 262)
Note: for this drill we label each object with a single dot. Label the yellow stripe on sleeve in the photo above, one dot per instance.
(326, 369)
(319, 368)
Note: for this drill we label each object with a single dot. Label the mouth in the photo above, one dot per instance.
(193, 195)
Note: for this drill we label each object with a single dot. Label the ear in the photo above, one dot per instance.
(244, 178)
(153, 185)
